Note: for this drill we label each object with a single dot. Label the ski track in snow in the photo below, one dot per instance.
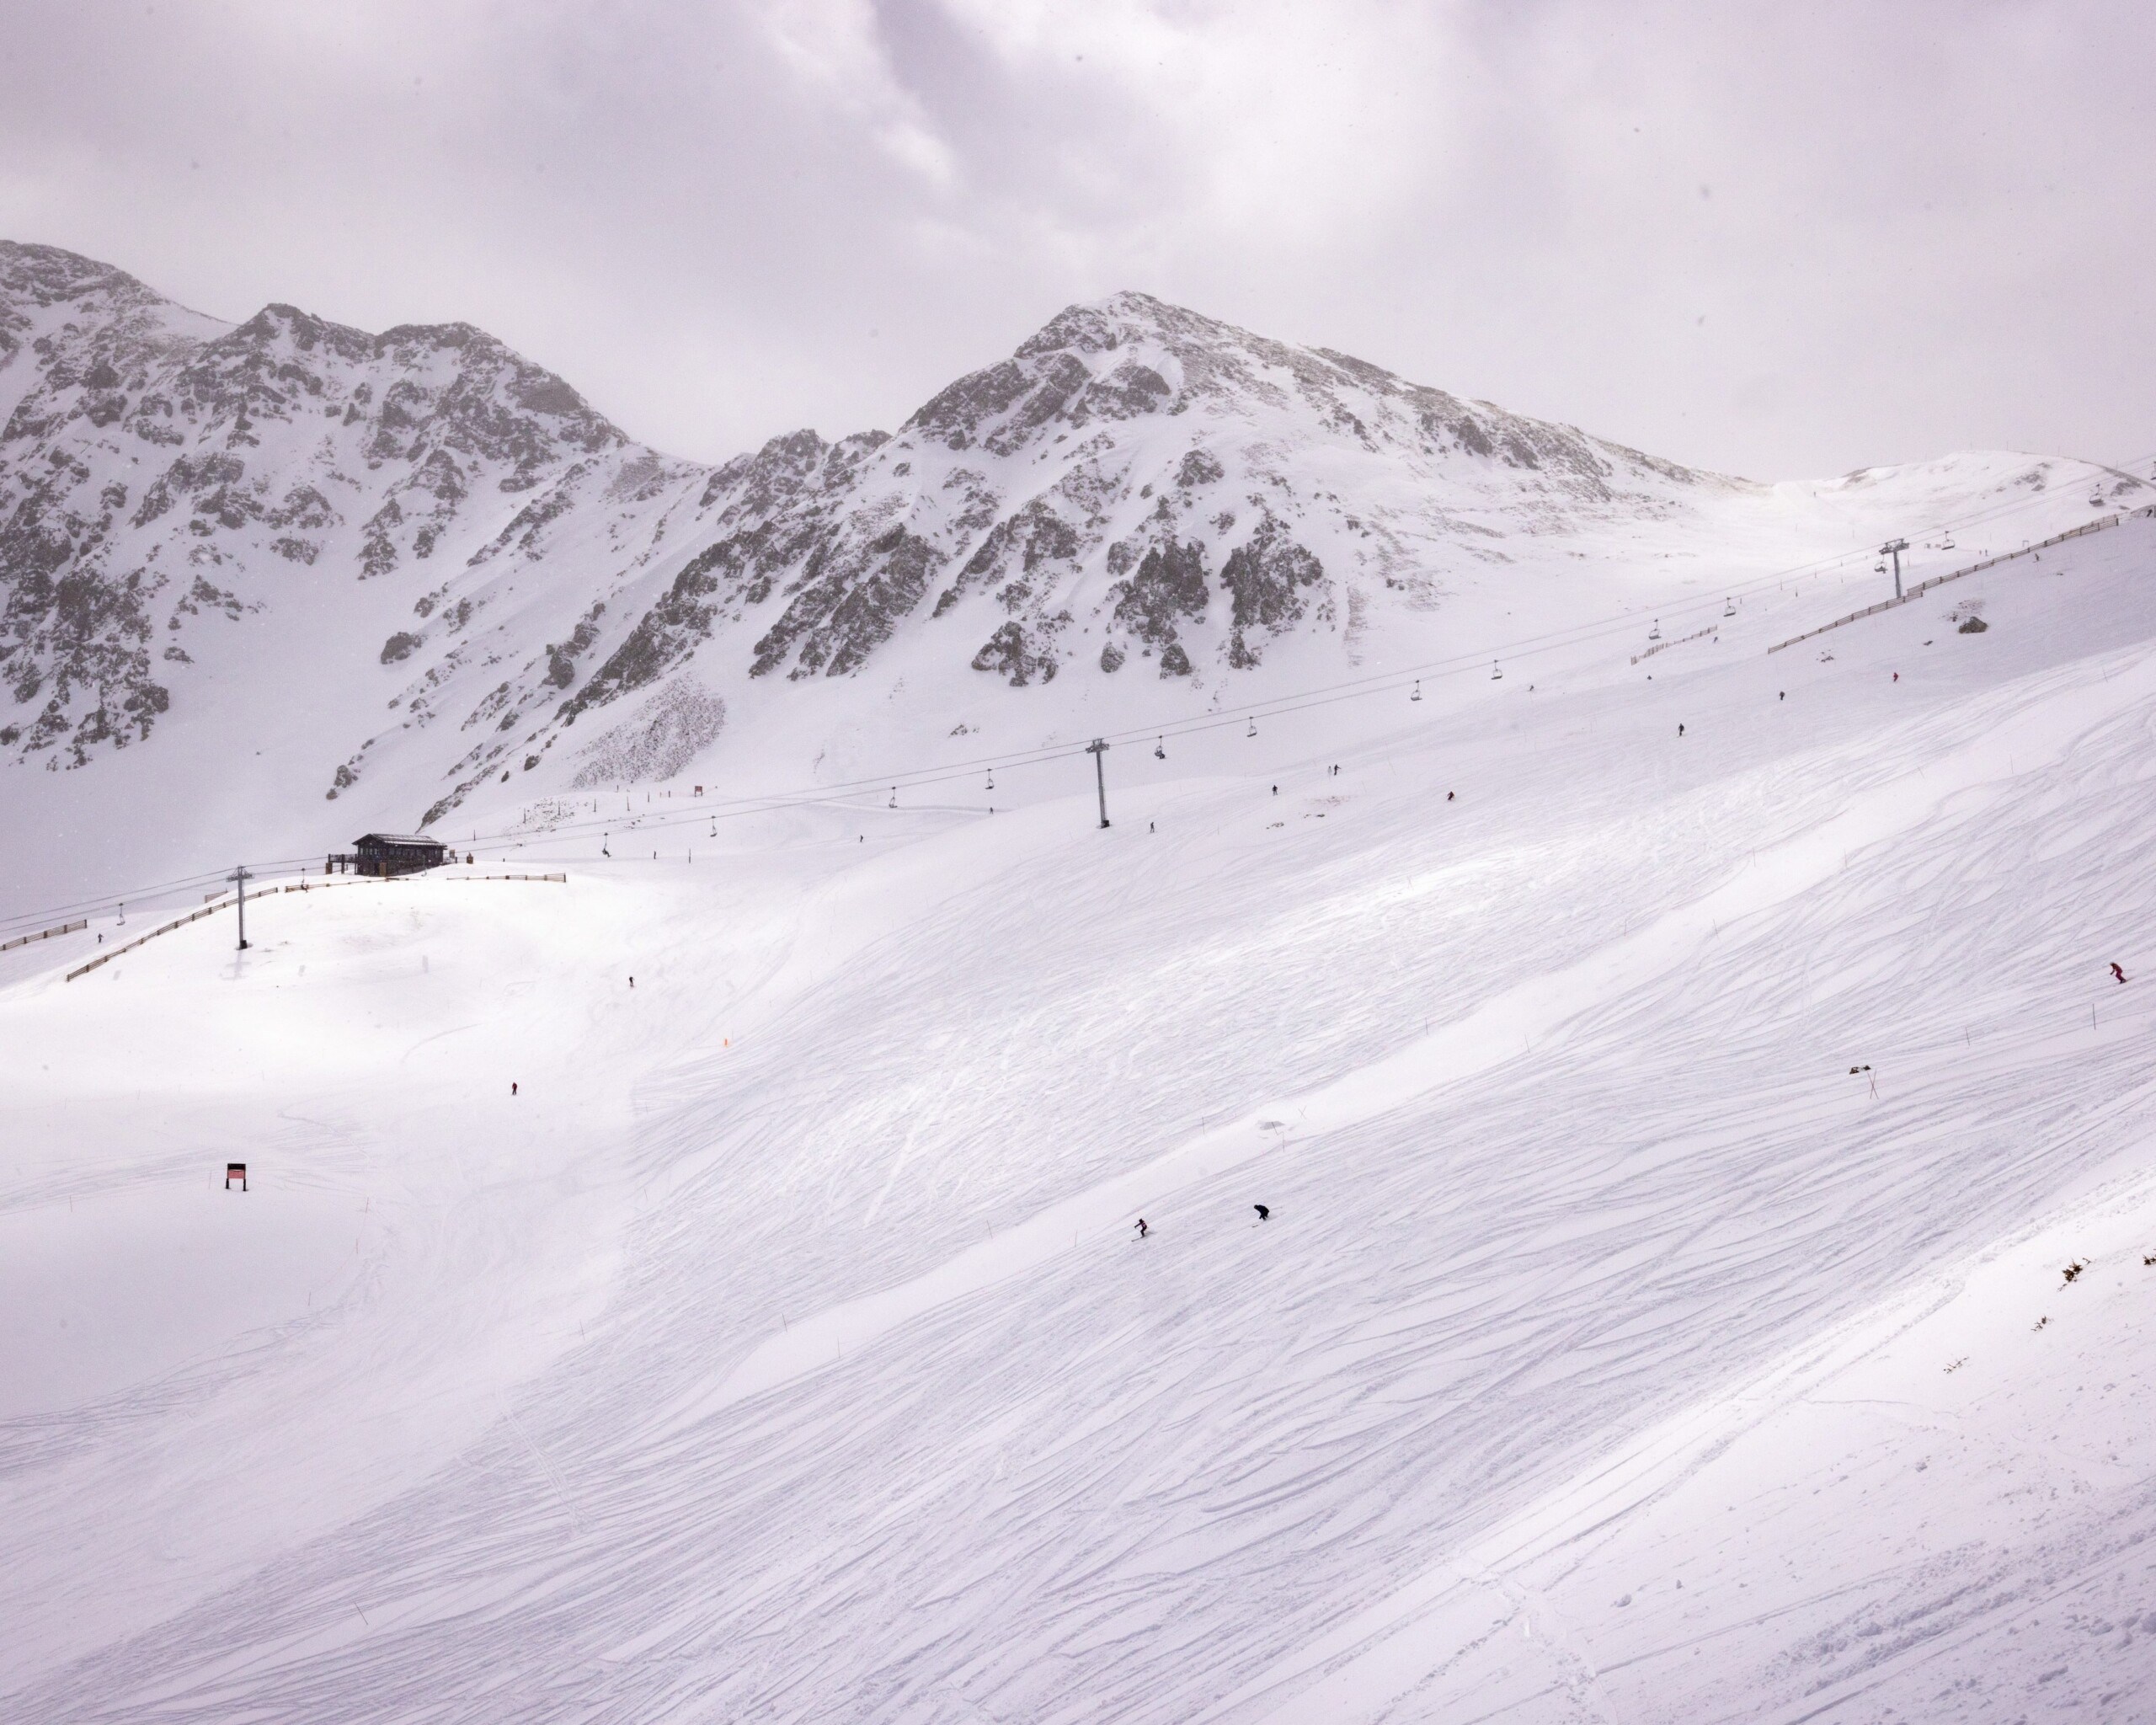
(865, 1404)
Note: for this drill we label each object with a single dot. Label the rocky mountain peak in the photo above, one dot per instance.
(159, 468)
(1136, 489)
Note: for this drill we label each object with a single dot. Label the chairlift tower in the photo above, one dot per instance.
(239, 877)
(1894, 548)
(1098, 748)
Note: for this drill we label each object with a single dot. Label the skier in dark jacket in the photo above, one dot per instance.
(1264, 1211)
(1143, 1231)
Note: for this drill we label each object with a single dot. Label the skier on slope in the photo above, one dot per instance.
(1264, 1211)
(1143, 1231)
(2117, 974)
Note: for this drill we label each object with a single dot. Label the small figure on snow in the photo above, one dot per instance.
(512, 1087)
(1680, 730)
(1264, 1211)
(1449, 796)
(1897, 676)
(1143, 1231)
(2117, 974)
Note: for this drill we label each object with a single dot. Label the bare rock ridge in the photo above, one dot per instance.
(466, 560)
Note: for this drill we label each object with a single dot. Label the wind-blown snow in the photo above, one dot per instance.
(784, 1349)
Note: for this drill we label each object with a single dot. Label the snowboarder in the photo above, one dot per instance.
(1263, 1211)
(1143, 1231)
(512, 1087)
(2117, 974)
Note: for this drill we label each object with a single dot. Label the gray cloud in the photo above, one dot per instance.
(1772, 240)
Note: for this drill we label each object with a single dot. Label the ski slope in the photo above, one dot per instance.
(784, 1350)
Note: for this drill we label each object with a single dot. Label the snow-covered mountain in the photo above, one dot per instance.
(413, 574)
(1647, 1160)
(1711, 1183)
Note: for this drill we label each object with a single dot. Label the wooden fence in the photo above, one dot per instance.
(24, 940)
(268, 892)
(1923, 587)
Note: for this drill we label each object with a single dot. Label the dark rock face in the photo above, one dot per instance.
(847, 602)
(1167, 589)
(1011, 652)
(1267, 576)
(766, 511)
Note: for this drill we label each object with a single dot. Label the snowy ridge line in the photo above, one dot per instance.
(24, 940)
(1923, 587)
(1500, 1029)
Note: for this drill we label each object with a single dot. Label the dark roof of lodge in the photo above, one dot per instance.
(400, 839)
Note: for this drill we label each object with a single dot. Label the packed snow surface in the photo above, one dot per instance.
(1675, 1147)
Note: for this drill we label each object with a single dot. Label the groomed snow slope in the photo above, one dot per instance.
(784, 1350)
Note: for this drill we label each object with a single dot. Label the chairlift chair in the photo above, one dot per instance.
(1496, 675)
(991, 778)
(1252, 731)
(2095, 499)
(1947, 543)
(1418, 695)
(1160, 749)
(895, 795)
(1655, 634)
(1729, 607)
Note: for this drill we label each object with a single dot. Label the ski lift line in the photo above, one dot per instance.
(1323, 695)
(1353, 689)
(1572, 635)
(2101, 525)
(128, 895)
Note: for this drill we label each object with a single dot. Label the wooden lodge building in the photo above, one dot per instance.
(389, 854)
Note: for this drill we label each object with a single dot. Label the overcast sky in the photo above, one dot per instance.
(1774, 239)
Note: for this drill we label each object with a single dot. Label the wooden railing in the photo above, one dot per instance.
(24, 940)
